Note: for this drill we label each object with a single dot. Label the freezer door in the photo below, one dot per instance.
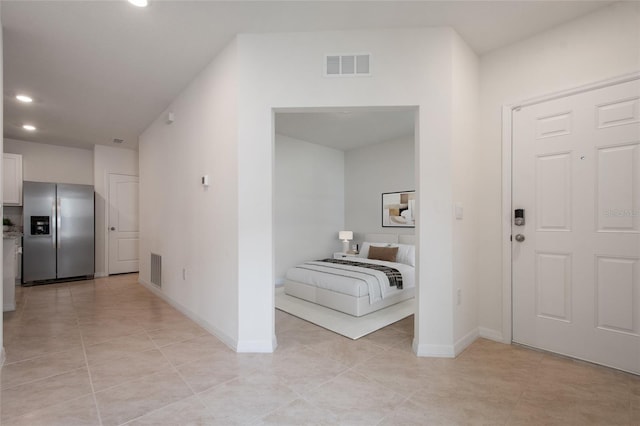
(75, 230)
(39, 249)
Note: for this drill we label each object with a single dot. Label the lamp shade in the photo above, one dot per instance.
(345, 235)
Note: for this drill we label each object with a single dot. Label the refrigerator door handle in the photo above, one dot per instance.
(54, 230)
(58, 221)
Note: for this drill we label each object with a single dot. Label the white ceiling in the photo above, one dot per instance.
(104, 69)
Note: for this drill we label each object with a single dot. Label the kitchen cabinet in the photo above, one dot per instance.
(12, 179)
(9, 274)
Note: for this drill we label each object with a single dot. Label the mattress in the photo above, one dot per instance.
(356, 306)
(353, 290)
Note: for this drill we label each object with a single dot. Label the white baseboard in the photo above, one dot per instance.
(223, 337)
(491, 334)
(445, 351)
(256, 346)
(9, 307)
(433, 351)
(3, 356)
(465, 341)
(100, 275)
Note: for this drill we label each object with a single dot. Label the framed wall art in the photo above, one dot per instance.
(398, 209)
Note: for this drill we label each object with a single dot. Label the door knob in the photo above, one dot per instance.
(113, 228)
(519, 238)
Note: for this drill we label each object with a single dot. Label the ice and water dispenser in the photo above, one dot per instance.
(40, 225)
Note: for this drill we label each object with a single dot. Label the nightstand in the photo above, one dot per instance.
(341, 255)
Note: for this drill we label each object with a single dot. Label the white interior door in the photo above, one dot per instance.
(576, 276)
(123, 224)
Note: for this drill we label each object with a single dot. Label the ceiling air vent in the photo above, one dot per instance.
(348, 65)
(116, 140)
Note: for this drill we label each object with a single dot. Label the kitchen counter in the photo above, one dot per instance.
(10, 234)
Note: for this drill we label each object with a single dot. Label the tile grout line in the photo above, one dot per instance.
(28, 291)
(352, 370)
(46, 408)
(193, 392)
(284, 404)
(59, 373)
(45, 378)
(358, 369)
(86, 360)
(207, 408)
(175, 369)
(398, 405)
(155, 348)
(155, 411)
(36, 357)
(299, 395)
(75, 324)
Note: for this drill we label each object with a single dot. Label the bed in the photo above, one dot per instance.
(362, 287)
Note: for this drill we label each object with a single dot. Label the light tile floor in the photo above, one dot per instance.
(109, 352)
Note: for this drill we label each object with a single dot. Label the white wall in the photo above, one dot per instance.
(107, 160)
(411, 68)
(465, 146)
(370, 171)
(598, 46)
(225, 127)
(308, 202)
(2, 354)
(52, 163)
(191, 226)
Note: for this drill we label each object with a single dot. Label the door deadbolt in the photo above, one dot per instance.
(519, 238)
(518, 217)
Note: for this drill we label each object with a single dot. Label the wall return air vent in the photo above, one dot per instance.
(352, 65)
(156, 269)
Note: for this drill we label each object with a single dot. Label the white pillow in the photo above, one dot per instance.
(406, 252)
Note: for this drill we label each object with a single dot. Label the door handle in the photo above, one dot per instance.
(519, 238)
(113, 228)
(52, 224)
(59, 220)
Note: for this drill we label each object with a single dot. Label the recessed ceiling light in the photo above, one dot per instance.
(29, 127)
(24, 98)
(139, 3)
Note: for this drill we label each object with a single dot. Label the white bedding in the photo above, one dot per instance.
(358, 281)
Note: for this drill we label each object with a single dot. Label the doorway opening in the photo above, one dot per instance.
(331, 167)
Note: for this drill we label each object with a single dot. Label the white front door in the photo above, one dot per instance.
(576, 275)
(123, 224)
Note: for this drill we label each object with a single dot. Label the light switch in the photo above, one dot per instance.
(459, 211)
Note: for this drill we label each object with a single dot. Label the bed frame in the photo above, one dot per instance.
(390, 238)
(352, 305)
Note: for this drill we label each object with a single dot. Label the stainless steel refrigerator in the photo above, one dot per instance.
(58, 241)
